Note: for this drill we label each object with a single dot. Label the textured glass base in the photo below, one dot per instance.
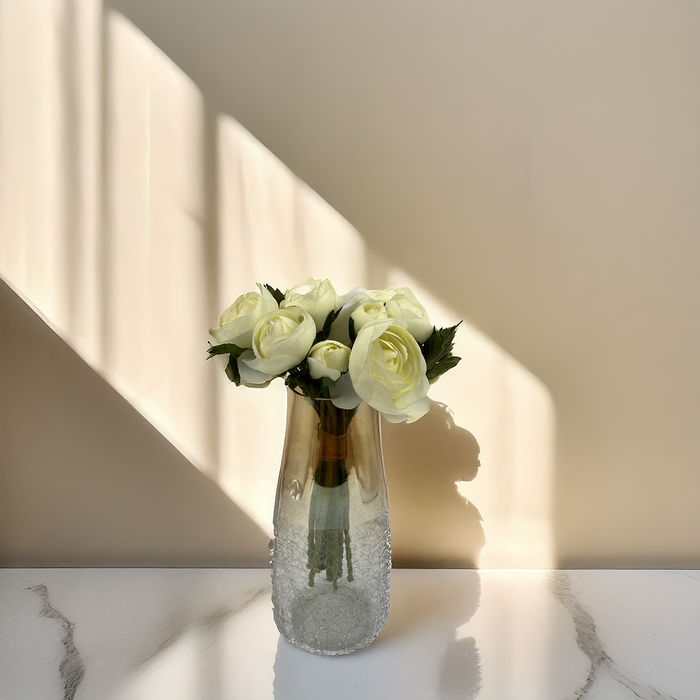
(323, 620)
(334, 622)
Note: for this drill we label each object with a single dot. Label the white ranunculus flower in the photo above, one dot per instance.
(281, 340)
(388, 371)
(366, 312)
(352, 297)
(347, 304)
(236, 324)
(328, 359)
(316, 297)
(381, 294)
(403, 306)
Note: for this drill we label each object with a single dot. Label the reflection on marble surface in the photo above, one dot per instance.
(145, 634)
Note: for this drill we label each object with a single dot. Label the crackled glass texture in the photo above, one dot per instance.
(331, 556)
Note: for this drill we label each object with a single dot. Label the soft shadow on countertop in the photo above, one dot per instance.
(432, 525)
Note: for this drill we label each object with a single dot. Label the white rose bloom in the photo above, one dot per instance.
(281, 340)
(366, 312)
(352, 297)
(328, 359)
(237, 323)
(347, 304)
(381, 294)
(316, 297)
(403, 306)
(388, 371)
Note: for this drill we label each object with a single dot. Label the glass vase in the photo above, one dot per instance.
(331, 556)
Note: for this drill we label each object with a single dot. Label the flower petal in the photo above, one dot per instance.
(343, 395)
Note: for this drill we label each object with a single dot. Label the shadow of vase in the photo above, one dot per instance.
(432, 525)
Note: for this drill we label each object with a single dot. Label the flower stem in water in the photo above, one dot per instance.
(329, 514)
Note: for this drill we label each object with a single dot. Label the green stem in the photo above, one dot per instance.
(330, 503)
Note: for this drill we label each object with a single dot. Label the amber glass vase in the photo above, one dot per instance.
(331, 556)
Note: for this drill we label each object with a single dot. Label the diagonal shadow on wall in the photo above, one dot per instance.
(134, 501)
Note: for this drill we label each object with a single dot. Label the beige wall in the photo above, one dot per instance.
(533, 167)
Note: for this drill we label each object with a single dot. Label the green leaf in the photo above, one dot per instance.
(299, 378)
(437, 351)
(225, 349)
(441, 367)
(278, 296)
(439, 344)
(232, 370)
(327, 324)
(351, 330)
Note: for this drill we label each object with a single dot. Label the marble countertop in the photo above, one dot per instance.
(208, 634)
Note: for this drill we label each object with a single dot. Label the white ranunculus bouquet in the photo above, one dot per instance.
(371, 345)
(376, 346)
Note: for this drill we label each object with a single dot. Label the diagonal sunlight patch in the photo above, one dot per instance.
(154, 239)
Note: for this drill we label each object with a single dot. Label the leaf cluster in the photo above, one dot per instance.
(299, 378)
(233, 352)
(437, 351)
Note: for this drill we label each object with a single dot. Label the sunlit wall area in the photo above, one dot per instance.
(50, 143)
(155, 233)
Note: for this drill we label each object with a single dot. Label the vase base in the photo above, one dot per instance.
(333, 622)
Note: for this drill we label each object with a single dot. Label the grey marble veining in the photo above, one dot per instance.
(140, 634)
(601, 664)
(71, 669)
